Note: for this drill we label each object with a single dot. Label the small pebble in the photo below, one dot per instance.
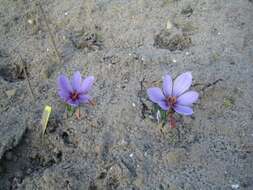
(174, 60)
(10, 93)
(235, 186)
(30, 21)
(123, 142)
(151, 117)
(66, 13)
(169, 25)
(131, 155)
(133, 104)
(187, 53)
(28, 171)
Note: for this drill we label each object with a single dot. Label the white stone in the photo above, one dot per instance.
(235, 186)
(30, 21)
(169, 25)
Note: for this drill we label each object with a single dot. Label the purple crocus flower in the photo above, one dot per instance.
(175, 96)
(75, 92)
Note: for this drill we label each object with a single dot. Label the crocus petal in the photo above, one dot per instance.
(188, 98)
(163, 105)
(155, 94)
(73, 103)
(182, 83)
(64, 95)
(64, 84)
(167, 85)
(86, 85)
(84, 99)
(76, 81)
(184, 110)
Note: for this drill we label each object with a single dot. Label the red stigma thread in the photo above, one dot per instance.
(74, 95)
(172, 121)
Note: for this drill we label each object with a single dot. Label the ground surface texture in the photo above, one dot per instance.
(128, 46)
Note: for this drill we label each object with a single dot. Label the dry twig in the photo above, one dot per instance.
(26, 76)
(50, 32)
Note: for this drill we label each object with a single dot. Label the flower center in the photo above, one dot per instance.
(171, 100)
(74, 95)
